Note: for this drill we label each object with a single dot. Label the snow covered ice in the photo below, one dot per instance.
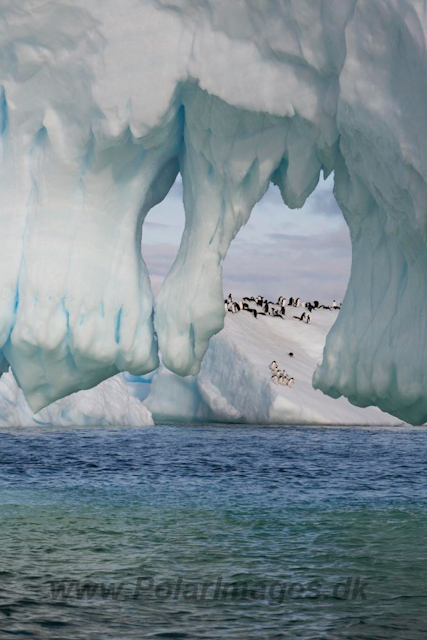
(114, 402)
(234, 384)
(103, 103)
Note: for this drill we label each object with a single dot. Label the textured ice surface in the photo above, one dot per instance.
(111, 403)
(102, 103)
(234, 384)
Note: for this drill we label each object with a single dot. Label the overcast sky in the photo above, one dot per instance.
(304, 253)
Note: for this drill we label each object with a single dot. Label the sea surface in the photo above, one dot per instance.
(213, 532)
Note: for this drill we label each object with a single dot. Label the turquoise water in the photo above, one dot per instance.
(230, 532)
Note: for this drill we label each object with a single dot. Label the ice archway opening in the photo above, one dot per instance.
(227, 157)
(304, 253)
(230, 157)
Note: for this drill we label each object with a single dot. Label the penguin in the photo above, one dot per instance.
(283, 303)
(275, 378)
(308, 319)
(283, 379)
(240, 305)
(230, 298)
(266, 308)
(291, 302)
(273, 366)
(297, 302)
(253, 311)
(316, 304)
(283, 311)
(291, 355)
(290, 383)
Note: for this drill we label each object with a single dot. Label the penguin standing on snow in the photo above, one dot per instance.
(291, 302)
(276, 377)
(283, 379)
(253, 311)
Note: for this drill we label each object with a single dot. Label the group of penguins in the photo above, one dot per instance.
(264, 307)
(280, 377)
(267, 308)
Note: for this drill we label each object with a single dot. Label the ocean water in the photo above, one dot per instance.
(213, 532)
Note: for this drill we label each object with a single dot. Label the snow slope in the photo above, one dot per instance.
(234, 384)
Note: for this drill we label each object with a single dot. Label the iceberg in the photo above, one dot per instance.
(235, 383)
(113, 403)
(102, 104)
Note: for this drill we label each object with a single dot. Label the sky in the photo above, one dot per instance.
(303, 253)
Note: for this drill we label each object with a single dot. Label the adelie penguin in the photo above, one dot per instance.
(302, 318)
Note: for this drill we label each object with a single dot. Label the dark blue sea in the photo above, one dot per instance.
(213, 532)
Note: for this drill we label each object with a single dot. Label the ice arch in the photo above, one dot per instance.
(101, 104)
